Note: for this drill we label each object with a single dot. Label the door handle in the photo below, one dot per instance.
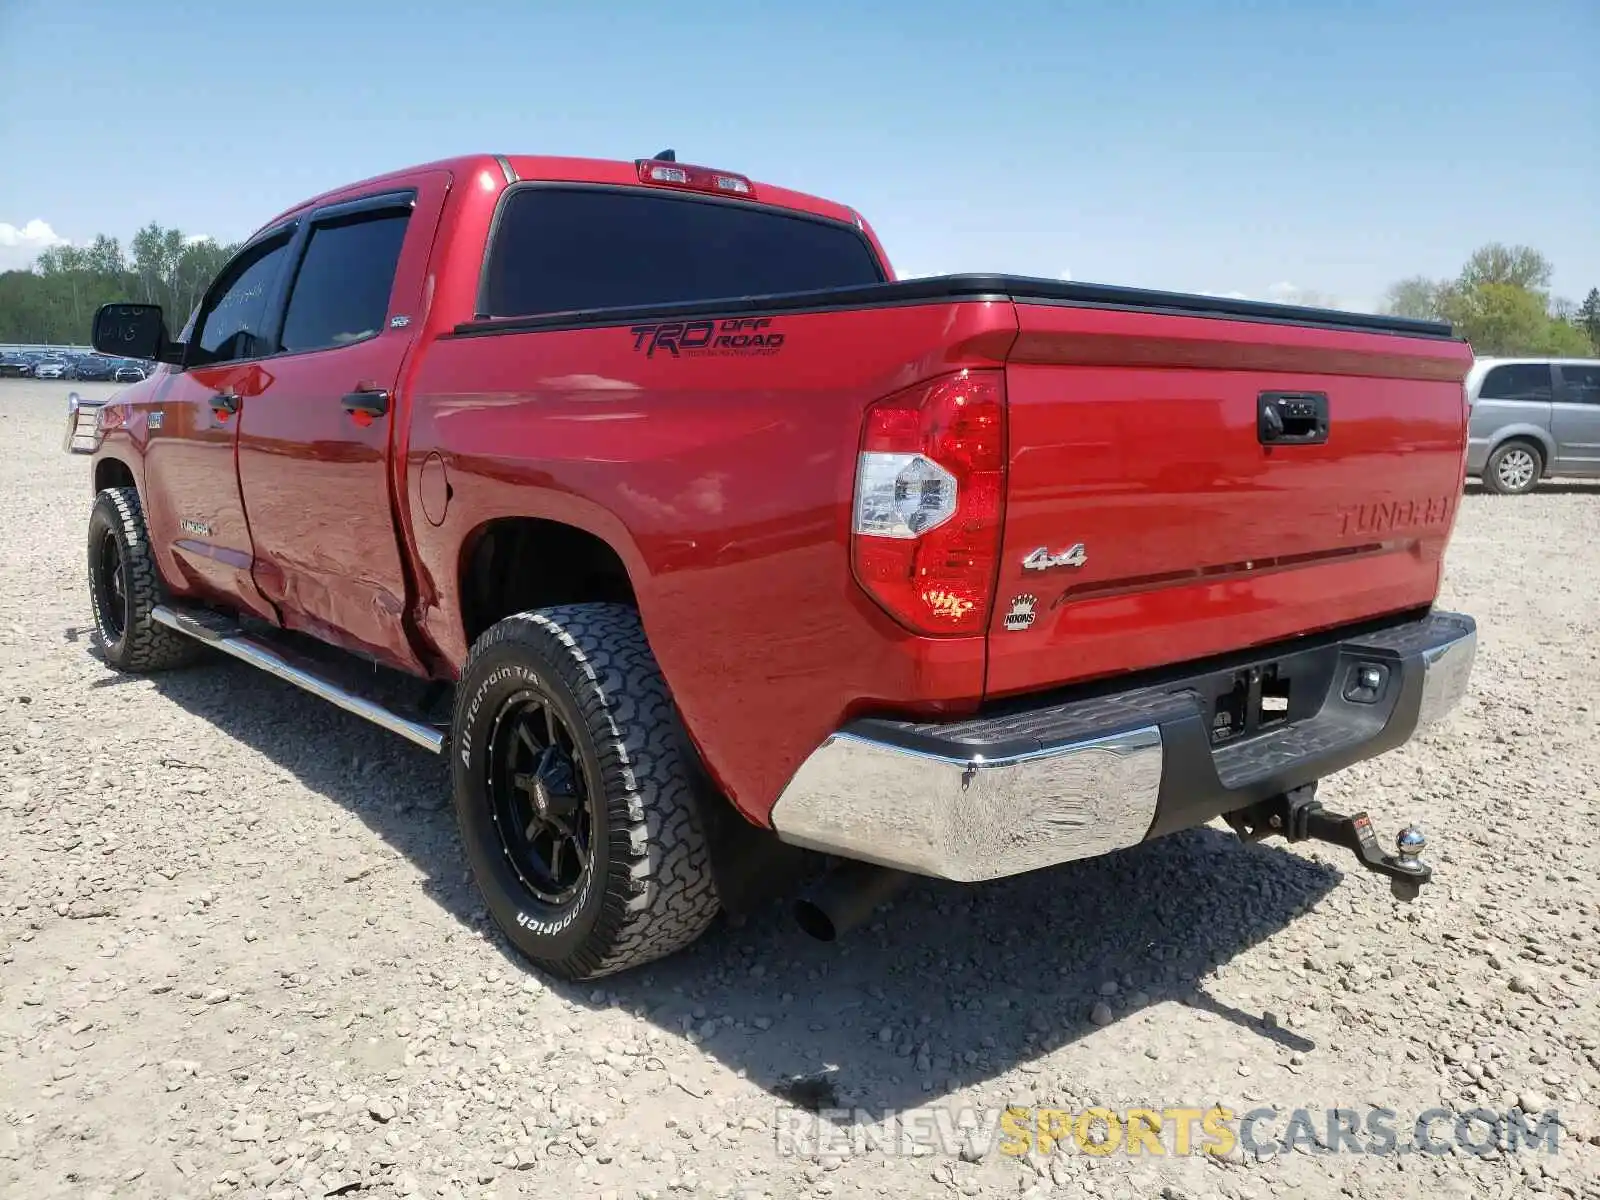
(224, 404)
(374, 402)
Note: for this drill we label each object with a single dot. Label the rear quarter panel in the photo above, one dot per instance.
(724, 481)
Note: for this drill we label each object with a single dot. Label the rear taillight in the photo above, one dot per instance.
(929, 485)
(698, 179)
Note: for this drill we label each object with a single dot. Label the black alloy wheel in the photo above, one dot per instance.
(542, 800)
(108, 575)
(125, 589)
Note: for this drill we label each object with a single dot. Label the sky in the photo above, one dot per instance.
(1268, 149)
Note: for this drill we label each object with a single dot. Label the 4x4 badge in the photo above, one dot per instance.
(1042, 560)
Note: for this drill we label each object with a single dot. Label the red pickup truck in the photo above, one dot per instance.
(703, 539)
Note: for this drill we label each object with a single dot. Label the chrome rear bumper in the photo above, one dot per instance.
(967, 817)
(1031, 787)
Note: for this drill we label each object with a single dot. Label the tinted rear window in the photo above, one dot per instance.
(559, 249)
(1583, 383)
(1520, 381)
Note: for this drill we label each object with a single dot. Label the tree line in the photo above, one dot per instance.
(55, 301)
(1501, 302)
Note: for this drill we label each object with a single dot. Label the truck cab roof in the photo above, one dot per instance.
(498, 171)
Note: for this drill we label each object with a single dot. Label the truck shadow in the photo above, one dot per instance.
(953, 985)
(948, 987)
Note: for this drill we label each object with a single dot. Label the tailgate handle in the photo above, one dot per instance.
(1292, 418)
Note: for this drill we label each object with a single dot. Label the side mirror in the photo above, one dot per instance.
(133, 331)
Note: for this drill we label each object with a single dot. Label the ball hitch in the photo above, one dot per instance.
(1297, 816)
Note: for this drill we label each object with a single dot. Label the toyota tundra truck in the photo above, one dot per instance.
(710, 553)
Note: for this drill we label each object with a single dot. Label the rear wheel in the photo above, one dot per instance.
(1513, 468)
(573, 793)
(124, 589)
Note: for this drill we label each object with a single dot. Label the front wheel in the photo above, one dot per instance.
(1513, 469)
(573, 793)
(124, 589)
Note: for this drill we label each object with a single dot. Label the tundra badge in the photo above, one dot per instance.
(1042, 560)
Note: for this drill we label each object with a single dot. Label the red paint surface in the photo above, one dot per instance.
(1135, 434)
(724, 484)
(187, 473)
(316, 478)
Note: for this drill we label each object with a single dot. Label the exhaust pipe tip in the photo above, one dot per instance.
(814, 920)
(844, 898)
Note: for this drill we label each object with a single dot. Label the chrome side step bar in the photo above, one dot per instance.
(230, 640)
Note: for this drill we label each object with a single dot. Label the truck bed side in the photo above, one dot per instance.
(723, 480)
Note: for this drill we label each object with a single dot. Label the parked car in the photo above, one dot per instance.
(94, 369)
(722, 547)
(1533, 418)
(11, 368)
(50, 368)
(129, 373)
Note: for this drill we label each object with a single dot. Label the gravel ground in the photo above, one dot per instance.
(239, 954)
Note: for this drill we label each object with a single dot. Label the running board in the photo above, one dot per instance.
(221, 634)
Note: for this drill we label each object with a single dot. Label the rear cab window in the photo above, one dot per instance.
(564, 248)
(1518, 381)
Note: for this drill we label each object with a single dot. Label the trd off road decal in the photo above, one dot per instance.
(701, 339)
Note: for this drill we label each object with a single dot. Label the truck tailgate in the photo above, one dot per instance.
(1138, 436)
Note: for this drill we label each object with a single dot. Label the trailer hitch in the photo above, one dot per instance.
(1298, 816)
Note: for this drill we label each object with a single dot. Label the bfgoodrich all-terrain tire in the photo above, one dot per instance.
(124, 589)
(575, 799)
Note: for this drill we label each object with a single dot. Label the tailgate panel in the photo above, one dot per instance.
(1135, 435)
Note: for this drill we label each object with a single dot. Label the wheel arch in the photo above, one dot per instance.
(1542, 440)
(590, 567)
(111, 471)
(512, 563)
